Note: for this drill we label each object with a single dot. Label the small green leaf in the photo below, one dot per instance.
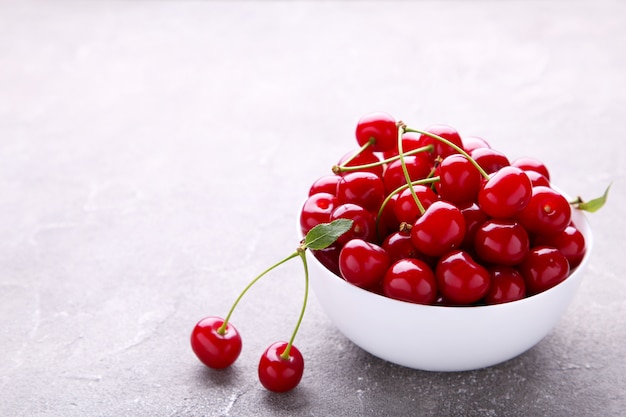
(595, 204)
(325, 234)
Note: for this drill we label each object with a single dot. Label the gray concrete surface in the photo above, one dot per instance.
(154, 154)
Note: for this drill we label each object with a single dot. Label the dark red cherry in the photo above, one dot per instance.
(362, 188)
(507, 284)
(471, 143)
(532, 164)
(214, 349)
(381, 127)
(406, 208)
(410, 280)
(489, 159)
(506, 193)
(399, 245)
(315, 210)
(364, 157)
(570, 242)
(460, 279)
(547, 212)
(459, 180)
(543, 268)
(364, 222)
(440, 229)
(418, 167)
(501, 242)
(446, 132)
(279, 374)
(474, 218)
(325, 184)
(362, 263)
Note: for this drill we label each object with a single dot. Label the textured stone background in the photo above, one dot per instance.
(154, 154)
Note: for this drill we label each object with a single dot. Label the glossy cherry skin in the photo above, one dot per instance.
(364, 222)
(474, 218)
(364, 157)
(440, 229)
(501, 242)
(406, 209)
(316, 209)
(362, 188)
(278, 374)
(543, 268)
(329, 258)
(507, 284)
(399, 245)
(410, 280)
(325, 184)
(460, 279)
(506, 193)
(381, 127)
(362, 263)
(471, 143)
(570, 242)
(489, 159)
(532, 164)
(537, 178)
(418, 167)
(441, 149)
(459, 180)
(215, 350)
(547, 212)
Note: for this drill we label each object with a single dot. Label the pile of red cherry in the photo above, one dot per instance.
(442, 219)
(426, 217)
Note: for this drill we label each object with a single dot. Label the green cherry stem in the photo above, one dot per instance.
(407, 177)
(222, 329)
(343, 168)
(369, 143)
(302, 253)
(452, 145)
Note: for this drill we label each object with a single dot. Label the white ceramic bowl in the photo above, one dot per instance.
(438, 338)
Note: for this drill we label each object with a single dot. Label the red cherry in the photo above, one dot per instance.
(459, 180)
(503, 242)
(570, 242)
(364, 222)
(315, 210)
(543, 268)
(440, 229)
(547, 212)
(399, 245)
(362, 188)
(532, 164)
(410, 280)
(406, 209)
(471, 143)
(474, 218)
(364, 157)
(362, 263)
(325, 184)
(507, 284)
(460, 279)
(382, 128)
(506, 193)
(278, 374)
(418, 166)
(388, 222)
(214, 349)
(489, 159)
(446, 132)
(329, 258)
(537, 178)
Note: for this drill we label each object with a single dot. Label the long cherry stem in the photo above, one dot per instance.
(302, 252)
(407, 177)
(453, 146)
(344, 168)
(222, 329)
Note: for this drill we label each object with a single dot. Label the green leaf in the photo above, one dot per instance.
(595, 204)
(325, 234)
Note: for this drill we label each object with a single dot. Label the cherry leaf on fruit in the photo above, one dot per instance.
(593, 205)
(325, 234)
